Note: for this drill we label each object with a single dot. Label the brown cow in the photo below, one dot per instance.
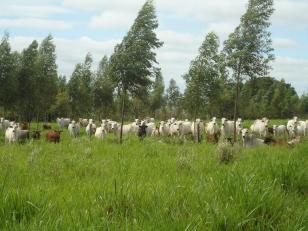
(24, 126)
(46, 126)
(213, 138)
(53, 136)
(36, 135)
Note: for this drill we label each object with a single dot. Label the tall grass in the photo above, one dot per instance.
(83, 184)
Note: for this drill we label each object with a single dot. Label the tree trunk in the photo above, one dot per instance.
(238, 74)
(198, 133)
(37, 121)
(122, 115)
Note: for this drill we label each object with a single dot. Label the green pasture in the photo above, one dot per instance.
(155, 184)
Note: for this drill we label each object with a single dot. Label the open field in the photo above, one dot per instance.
(157, 184)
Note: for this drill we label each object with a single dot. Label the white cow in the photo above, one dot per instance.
(195, 125)
(292, 126)
(127, 128)
(63, 122)
(73, 129)
(135, 126)
(156, 132)
(212, 127)
(91, 128)
(301, 128)
(239, 125)
(249, 140)
(164, 128)
(11, 134)
(172, 120)
(113, 126)
(212, 131)
(4, 124)
(185, 128)
(101, 131)
(150, 129)
(105, 126)
(175, 128)
(109, 124)
(279, 130)
(260, 127)
(227, 127)
(83, 122)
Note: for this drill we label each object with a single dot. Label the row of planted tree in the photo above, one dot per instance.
(225, 82)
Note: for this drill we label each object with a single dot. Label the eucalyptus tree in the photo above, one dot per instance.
(8, 68)
(47, 76)
(132, 64)
(157, 94)
(103, 89)
(80, 88)
(249, 48)
(28, 82)
(203, 77)
(173, 98)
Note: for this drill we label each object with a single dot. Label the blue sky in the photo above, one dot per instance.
(95, 26)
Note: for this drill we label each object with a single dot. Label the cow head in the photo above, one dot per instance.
(245, 133)
(162, 124)
(137, 121)
(239, 124)
(223, 122)
(172, 120)
(104, 125)
(114, 126)
(142, 131)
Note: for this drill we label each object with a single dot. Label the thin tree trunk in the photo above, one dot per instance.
(236, 101)
(37, 121)
(122, 115)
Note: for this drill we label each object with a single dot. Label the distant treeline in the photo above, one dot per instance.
(31, 89)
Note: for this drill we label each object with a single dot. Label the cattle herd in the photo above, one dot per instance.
(259, 132)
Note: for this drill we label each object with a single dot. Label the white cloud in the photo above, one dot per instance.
(291, 13)
(104, 5)
(120, 14)
(293, 70)
(284, 43)
(205, 10)
(71, 51)
(10, 10)
(112, 19)
(178, 51)
(34, 23)
(222, 29)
